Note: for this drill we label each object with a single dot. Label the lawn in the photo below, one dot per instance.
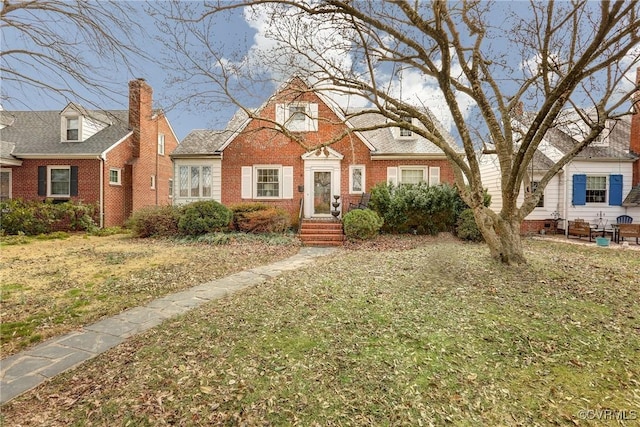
(51, 286)
(429, 335)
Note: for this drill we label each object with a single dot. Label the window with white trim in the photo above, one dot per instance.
(298, 116)
(412, 175)
(73, 129)
(161, 144)
(405, 132)
(194, 181)
(356, 179)
(115, 176)
(59, 181)
(267, 182)
(5, 184)
(596, 189)
(153, 182)
(170, 188)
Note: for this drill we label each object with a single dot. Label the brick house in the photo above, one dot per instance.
(252, 161)
(116, 159)
(633, 198)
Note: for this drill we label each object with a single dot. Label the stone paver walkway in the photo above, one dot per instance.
(26, 370)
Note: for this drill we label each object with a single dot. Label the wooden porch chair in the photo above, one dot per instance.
(363, 203)
(624, 219)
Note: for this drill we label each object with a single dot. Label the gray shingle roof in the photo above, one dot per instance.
(38, 133)
(207, 141)
(385, 143)
(633, 198)
(617, 147)
(201, 142)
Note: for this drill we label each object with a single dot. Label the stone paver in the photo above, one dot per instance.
(24, 371)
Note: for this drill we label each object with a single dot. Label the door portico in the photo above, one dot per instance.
(321, 181)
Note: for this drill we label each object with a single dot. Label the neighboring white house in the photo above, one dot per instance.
(592, 186)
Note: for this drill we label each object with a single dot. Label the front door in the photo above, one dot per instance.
(321, 193)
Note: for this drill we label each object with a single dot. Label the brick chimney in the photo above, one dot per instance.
(634, 140)
(140, 109)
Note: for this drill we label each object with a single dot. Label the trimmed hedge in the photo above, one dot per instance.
(155, 221)
(33, 217)
(260, 218)
(204, 217)
(361, 224)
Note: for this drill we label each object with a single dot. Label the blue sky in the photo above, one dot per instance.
(238, 36)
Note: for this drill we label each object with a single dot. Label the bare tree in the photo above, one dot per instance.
(549, 58)
(65, 47)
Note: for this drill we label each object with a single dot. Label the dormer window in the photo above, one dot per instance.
(405, 132)
(73, 125)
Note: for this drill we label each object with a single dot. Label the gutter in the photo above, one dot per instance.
(102, 169)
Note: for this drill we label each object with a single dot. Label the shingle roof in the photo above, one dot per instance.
(633, 198)
(207, 141)
(385, 143)
(617, 147)
(202, 141)
(38, 133)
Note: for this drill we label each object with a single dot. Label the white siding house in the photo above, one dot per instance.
(592, 186)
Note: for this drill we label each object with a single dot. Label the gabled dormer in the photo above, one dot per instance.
(77, 124)
(401, 132)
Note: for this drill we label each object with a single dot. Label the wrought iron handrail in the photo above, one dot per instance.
(300, 215)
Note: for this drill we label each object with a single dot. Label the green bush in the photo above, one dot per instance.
(33, 217)
(416, 208)
(466, 227)
(204, 217)
(260, 218)
(154, 221)
(361, 224)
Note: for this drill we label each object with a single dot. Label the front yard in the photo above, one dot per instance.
(49, 287)
(427, 335)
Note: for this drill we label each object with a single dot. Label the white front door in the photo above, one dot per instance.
(321, 182)
(322, 192)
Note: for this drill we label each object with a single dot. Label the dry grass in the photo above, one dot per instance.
(49, 287)
(398, 332)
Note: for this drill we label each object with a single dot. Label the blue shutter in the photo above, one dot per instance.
(615, 190)
(579, 190)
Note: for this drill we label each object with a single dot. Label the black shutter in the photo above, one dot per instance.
(42, 181)
(74, 181)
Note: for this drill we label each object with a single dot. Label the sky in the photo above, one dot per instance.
(239, 35)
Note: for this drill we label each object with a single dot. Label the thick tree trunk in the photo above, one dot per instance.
(502, 236)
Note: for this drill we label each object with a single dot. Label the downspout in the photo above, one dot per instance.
(157, 178)
(565, 203)
(102, 161)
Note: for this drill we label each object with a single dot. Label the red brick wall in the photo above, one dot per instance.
(634, 143)
(259, 143)
(25, 179)
(116, 208)
(147, 161)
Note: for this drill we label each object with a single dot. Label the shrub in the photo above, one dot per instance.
(466, 227)
(35, 217)
(155, 221)
(361, 224)
(204, 217)
(418, 208)
(260, 218)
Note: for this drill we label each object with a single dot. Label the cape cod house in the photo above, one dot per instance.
(251, 161)
(116, 159)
